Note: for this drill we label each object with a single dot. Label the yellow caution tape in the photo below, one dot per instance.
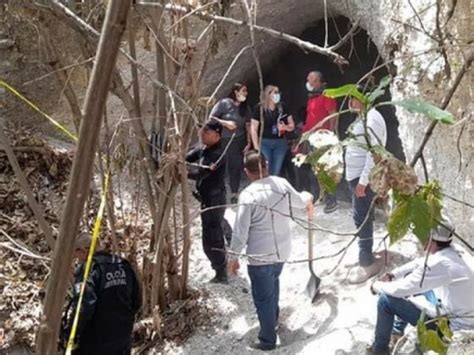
(37, 109)
(95, 237)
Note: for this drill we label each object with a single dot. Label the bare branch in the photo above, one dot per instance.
(444, 104)
(305, 45)
(34, 205)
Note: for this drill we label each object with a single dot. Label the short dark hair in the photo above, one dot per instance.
(254, 162)
(213, 125)
(442, 245)
(319, 75)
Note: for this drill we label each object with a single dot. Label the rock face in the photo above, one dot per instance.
(407, 42)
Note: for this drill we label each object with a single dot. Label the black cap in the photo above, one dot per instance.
(213, 125)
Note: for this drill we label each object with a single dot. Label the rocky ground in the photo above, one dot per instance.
(340, 321)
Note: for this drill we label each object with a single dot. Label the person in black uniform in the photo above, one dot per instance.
(111, 300)
(209, 173)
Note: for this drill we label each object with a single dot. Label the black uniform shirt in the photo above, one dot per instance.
(111, 300)
(270, 120)
(208, 182)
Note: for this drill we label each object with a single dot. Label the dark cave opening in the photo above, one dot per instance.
(289, 69)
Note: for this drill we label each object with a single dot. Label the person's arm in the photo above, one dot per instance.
(89, 299)
(407, 268)
(230, 125)
(376, 132)
(193, 155)
(254, 133)
(219, 109)
(240, 232)
(297, 199)
(435, 275)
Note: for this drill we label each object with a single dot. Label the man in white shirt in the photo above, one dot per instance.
(366, 131)
(262, 225)
(442, 283)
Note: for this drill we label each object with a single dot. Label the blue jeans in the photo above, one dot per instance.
(274, 151)
(360, 209)
(266, 293)
(388, 308)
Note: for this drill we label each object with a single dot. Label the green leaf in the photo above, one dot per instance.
(399, 221)
(346, 90)
(431, 193)
(429, 339)
(425, 108)
(420, 215)
(432, 341)
(443, 327)
(380, 90)
(327, 183)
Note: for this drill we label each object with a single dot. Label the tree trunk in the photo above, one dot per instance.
(95, 101)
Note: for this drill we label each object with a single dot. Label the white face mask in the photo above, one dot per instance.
(309, 87)
(241, 98)
(276, 98)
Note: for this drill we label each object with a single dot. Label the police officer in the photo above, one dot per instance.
(110, 302)
(209, 172)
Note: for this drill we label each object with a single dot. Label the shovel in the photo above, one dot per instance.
(312, 288)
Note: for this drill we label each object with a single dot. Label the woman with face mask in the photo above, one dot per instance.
(271, 128)
(234, 115)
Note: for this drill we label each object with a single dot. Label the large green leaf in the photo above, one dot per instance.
(399, 222)
(346, 90)
(443, 326)
(425, 108)
(428, 338)
(431, 193)
(380, 90)
(420, 215)
(327, 183)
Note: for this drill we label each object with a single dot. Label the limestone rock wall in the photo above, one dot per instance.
(404, 39)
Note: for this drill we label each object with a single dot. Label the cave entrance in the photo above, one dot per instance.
(288, 70)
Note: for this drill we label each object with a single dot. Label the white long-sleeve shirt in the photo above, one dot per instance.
(358, 160)
(262, 224)
(451, 278)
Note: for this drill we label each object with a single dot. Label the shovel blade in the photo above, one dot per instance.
(312, 287)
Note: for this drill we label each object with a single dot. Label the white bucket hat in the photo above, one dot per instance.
(444, 231)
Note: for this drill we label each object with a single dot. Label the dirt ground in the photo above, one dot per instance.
(341, 321)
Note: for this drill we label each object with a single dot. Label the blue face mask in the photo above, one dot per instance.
(276, 98)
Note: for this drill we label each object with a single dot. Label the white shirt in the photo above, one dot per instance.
(358, 159)
(451, 278)
(263, 219)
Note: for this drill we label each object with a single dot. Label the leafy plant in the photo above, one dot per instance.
(425, 108)
(419, 212)
(346, 90)
(430, 339)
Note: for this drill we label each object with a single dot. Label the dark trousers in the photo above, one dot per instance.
(116, 348)
(235, 162)
(288, 170)
(360, 210)
(265, 281)
(212, 231)
(307, 181)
